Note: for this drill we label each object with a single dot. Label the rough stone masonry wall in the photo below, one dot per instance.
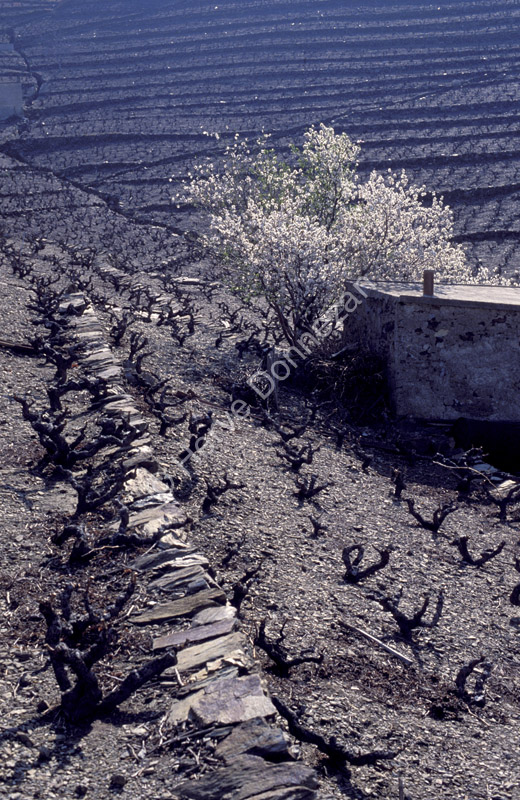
(371, 326)
(452, 361)
(446, 358)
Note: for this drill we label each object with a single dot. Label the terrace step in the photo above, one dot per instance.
(216, 694)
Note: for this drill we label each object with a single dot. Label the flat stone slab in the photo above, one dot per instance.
(184, 560)
(257, 738)
(178, 578)
(141, 445)
(93, 336)
(180, 711)
(249, 777)
(144, 483)
(158, 518)
(183, 607)
(171, 517)
(457, 294)
(233, 700)
(197, 584)
(228, 701)
(208, 615)
(205, 677)
(119, 408)
(198, 634)
(78, 302)
(142, 458)
(292, 793)
(169, 540)
(160, 558)
(149, 500)
(88, 323)
(115, 397)
(199, 654)
(109, 373)
(100, 359)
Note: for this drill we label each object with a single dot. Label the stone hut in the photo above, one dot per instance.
(454, 353)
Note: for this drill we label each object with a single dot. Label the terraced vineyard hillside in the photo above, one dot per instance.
(358, 574)
(128, 91)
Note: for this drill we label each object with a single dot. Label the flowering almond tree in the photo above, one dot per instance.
(293, 232)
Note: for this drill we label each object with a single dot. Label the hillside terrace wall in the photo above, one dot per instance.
(221, 683)
(454, 354)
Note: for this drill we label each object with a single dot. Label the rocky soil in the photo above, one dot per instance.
(93, 192)
(284, 572)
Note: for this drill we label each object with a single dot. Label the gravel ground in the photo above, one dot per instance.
(367, 699)
(78, 192)
(358, 694)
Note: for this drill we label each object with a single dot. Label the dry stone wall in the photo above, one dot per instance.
(215, 682)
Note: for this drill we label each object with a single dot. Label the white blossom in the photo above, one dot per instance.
(293, 232)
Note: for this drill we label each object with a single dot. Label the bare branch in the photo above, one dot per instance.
(277, 653)
(353, 574)
(439, 515)
(487, 555)
(329, 747)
